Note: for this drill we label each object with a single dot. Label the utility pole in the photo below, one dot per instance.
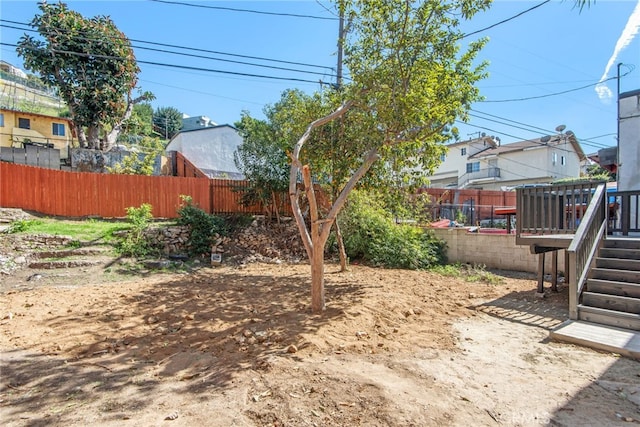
(340, 43)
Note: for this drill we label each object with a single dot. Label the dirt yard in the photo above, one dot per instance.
(238, 346)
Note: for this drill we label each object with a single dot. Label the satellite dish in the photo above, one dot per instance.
(483, 134)
(545, 139)
(560, 128)
(569, 133)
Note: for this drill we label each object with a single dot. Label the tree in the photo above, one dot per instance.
(93, 66)
(410, 82)
(139, 124)
(167, 121)
(262, 159)
(142, 157)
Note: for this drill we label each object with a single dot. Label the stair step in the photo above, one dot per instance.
(628, 276)
(618, 263)
(613, 287)
(611, 302)
(622, 243)
(602, 337)
(609, 317)
(618, 253)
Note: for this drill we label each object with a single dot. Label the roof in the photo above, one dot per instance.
(486, 139)
(531, 143)
(205, 129)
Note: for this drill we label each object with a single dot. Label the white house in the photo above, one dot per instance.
(211, 149)
(483, 163)
(629, 141)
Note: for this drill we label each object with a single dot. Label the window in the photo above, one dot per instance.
(473, 167)
(554, 159)
(57, 129)
(443, 157)
(563, 161)
(1, 120)
(463, 151)
(24, 123)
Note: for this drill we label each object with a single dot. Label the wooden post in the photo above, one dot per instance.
(567, 275)
(554, 271)
(541, 273)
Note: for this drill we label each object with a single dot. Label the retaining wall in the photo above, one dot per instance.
(497, 251)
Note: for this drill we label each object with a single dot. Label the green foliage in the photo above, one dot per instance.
(139, 124)
(468, 272)
(22, 225)
(167, 121)
(372, 235)
(262, 159)
(203, 226)
(90, 62)
(141, 159)
(135, 243)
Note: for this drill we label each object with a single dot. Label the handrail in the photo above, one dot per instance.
(552, 209)
(584, 245)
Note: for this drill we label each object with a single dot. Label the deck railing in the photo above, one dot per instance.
(552, 209)
(624, 212)
(584, 246)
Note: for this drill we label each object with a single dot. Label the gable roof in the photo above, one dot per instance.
(529, 144)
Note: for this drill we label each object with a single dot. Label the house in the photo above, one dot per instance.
(19, 129)
(196, 122)
(629, 141)
(485, 163)
(210, 149)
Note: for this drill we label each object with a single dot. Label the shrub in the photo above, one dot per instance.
(135, 243)
(22, 225)
(370, 233)
(203, 226)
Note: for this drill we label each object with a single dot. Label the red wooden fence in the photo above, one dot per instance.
(77, 194)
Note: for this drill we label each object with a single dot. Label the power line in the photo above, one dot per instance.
(533, 128)
(215, 52)
(260, 12)
(555, 93)
(506, 20)
(183, 67)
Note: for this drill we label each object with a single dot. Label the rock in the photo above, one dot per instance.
(172, 416)
(417, 311)
(292, 349)
(151, 320)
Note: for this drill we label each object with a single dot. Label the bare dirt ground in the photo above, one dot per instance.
(237, 345)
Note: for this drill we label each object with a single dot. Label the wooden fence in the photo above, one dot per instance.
(77, 194)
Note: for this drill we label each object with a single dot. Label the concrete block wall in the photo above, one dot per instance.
(497, 251)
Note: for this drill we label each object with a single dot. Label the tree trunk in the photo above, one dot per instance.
(93, 137)
(341, 249)
(317, 275)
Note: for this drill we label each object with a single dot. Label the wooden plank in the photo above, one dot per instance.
(601, 337)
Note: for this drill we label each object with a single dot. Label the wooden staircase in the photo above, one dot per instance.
(609, 310)
(612, 294)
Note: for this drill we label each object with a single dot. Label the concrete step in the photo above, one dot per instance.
(618, 264)
(613, 287)
(619, 253)
(601, 337)
(609, 317)
(628, 276)
(628, 243)
(611, 302)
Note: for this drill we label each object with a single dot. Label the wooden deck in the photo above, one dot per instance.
(601, 337)
(548, 241)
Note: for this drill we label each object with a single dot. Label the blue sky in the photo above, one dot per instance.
(550, 49)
